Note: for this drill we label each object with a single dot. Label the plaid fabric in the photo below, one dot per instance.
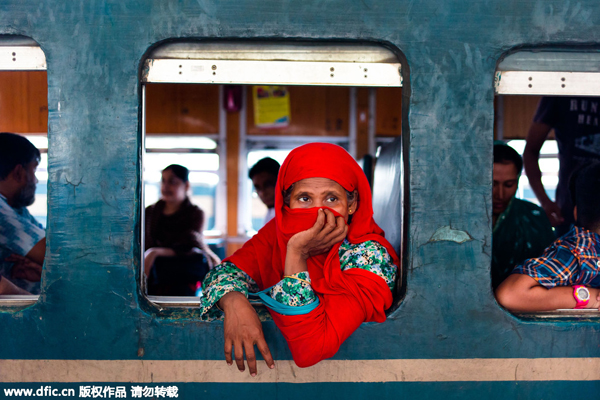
(19, 232)
(574, 259)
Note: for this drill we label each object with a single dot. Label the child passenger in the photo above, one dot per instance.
(567, 275)
(322, 265)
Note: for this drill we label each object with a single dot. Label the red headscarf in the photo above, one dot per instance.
(346, 298)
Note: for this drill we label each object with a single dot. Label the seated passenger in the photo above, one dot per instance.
(22, 238)
(264, 177)
(322, 266)
(521, 229)
(567, 275)
(174, 225)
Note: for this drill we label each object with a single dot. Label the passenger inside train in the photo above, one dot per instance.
(322, 266)
(521, 229)
(22, 237)
(575, 121)
(567, 275)
(264, 176)
(176, 257)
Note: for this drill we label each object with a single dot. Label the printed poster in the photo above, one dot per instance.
(271, 106)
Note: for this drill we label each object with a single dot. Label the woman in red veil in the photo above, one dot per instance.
(322, 266)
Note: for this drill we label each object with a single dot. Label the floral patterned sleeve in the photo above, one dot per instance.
(370, 256)
(294, 290)
(219, 281)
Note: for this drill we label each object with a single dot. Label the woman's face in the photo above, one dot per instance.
(172, 188)
(321, 192)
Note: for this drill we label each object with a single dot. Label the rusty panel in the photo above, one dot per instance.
(517, 115)
(24, 101)
(389, 112)
(182, 108)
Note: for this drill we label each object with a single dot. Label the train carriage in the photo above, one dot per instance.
(424, 88)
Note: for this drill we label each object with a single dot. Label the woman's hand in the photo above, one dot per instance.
(243, 330)
(327, 231)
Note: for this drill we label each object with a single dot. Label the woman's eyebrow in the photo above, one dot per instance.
(302, 194)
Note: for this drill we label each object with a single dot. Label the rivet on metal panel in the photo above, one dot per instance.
(331, 75)
(14, 59)
(214, 73)
(365, 76)
(563, 85)
(530, 85)
(366, 70)
(179, 72)
(562, 79)
(180, 66)
(214, 67)
(14, 54)
(332, 69)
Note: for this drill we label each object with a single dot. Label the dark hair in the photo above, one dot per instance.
(584, 185)
(287, 195)
(179, 171)
(15, 150)
(503, 153)
(267, 164)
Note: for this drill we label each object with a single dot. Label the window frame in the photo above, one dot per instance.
(22, 53)
(550, 72)
(355, 65)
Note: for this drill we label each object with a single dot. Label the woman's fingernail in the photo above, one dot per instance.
(253, 374)
(230, 364)
(272, 366)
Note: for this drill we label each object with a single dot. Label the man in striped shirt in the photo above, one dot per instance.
(22, 238)
(567, 275)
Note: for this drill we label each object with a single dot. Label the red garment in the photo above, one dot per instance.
(347, 298)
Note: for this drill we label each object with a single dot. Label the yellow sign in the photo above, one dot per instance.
(271, 106)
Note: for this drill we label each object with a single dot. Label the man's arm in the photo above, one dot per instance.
(538, 132)
(7, 287)
(38, 252)
(522, 293)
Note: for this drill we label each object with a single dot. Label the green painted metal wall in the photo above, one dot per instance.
(91, 308)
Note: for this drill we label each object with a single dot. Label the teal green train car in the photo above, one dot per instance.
(93, 332)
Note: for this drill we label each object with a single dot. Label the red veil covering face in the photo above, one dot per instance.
(347, 298)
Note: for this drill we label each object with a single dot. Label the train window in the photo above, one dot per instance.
(24, 110)
(348, 94)
(549, 99)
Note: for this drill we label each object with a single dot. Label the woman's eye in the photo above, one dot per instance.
(303, 199)
(332, 199)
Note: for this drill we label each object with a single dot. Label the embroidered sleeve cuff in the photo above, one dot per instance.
(219, 281)
(294, 290)
(370, 256)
